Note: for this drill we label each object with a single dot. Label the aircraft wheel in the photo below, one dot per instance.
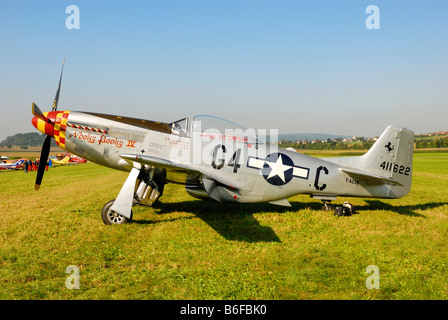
(345, 210)
(111, 217)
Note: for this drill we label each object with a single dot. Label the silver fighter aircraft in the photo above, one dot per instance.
(218, 160)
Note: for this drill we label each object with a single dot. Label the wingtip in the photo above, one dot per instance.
(36, 187)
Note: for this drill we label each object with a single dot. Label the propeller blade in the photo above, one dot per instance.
(43, 161)
(56, 98)
(38, 113)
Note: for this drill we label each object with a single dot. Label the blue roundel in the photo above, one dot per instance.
(278, 169)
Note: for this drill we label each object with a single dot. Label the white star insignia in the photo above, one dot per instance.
(278, 169)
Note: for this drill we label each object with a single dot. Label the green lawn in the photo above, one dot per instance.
(191, 249)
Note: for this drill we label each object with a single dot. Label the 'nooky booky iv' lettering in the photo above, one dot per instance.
(86, 137)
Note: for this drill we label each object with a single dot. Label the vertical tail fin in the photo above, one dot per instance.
(391, 156)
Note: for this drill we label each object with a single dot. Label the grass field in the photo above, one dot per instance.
(16, 152)
(191, 249)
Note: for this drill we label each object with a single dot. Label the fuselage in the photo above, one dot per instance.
(262, 171)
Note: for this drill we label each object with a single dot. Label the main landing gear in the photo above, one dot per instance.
(111, 217)
(148, 189)
(344, 210)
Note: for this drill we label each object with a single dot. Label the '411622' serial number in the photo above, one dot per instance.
(388, 166)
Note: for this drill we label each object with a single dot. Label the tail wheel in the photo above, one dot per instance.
(111, 217)
(345, 210)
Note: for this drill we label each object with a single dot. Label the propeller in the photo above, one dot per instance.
(43, 161)
(56, 98)
(38, 113)
(47, 142)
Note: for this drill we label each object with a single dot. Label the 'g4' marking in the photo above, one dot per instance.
(233, 161)
(215, 152)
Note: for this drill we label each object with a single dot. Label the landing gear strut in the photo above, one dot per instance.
(326, 206)
(148, 189)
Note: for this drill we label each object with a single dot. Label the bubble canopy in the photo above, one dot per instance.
(203, 123)
(212, 124)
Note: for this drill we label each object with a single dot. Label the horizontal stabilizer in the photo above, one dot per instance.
(371, 177)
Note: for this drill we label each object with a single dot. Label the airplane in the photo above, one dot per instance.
(12, 166)
(219, 160)
(76, 159)
(64, 161)
(71, 158)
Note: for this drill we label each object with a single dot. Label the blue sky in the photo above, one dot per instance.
(296, 66)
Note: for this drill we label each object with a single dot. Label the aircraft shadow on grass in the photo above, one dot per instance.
(408, 210)
(237, 222)
(233, 222)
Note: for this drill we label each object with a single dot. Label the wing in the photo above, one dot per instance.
(372, 177)
(193, 169)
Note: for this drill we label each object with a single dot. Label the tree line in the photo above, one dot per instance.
(434, 142)
(31, 139)
(338, 144)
